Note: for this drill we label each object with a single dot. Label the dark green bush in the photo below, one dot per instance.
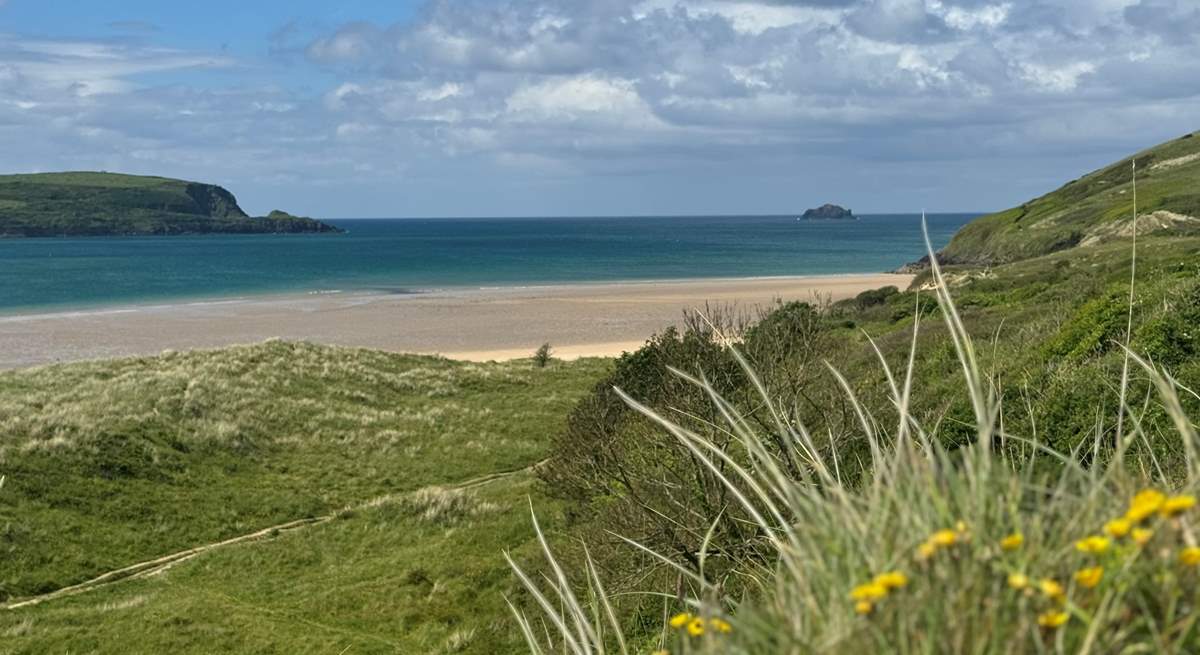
(1093, 329)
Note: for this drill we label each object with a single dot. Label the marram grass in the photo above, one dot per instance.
(1002, 545)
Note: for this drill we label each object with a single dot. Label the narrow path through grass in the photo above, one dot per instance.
(159, 565)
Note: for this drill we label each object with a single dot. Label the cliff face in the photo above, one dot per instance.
(214, 201)
(108, 204)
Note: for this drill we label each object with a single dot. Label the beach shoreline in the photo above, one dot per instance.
(590, 319)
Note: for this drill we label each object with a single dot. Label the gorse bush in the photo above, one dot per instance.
(1002, 544)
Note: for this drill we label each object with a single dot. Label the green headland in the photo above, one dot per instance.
(111, 204)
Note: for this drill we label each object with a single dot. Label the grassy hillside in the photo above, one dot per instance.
(112, 463)
(1003, 496)
(103, 204)
(1048, 315)
(1095, 208)
(1047, 331)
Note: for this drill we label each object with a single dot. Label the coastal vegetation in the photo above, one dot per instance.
(111, 204)
(1002, 456)
(421, 465)
(1017, 473)
(1093, 209)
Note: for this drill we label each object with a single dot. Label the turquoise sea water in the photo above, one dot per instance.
(411, 255)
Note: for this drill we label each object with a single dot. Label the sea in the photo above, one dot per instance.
(403, 256)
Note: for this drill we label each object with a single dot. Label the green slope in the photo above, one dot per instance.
(113, 463)
(1044, 292)
(1048, 315)
(1095, 208)
(104, 204)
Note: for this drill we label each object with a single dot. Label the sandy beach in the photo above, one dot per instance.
(583, 320)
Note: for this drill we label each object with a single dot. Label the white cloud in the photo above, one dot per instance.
(585, 96)
(595, 91)
(84, 68)
(1059, 79)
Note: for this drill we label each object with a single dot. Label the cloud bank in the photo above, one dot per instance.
(633, 106)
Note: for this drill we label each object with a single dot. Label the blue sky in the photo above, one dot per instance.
(569, 107)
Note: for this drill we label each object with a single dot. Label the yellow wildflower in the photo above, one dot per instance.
(1117, 528)
(1190, 556)
(695, 627)
(1012, 541)
(1142, 535)
(1089, 577)
(1144, 505)
(680, 620)
(891, 580)
(1051, 589)
(1177, 504)
(661, 652)
(1093, 545)
(926, 550)
(863, 607)
(868, 591)
(1018, 581)
(943, 538)
(720, 626)
(1052, 619)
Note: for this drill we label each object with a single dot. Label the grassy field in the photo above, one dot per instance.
(112, 463)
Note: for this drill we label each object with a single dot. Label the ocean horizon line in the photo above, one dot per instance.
(551, 217)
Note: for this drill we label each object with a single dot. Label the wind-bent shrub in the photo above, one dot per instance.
(542, 356)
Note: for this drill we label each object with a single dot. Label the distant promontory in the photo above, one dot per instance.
(828, 211)
(112, 204)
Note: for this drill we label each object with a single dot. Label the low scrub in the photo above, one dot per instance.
(1003, 543)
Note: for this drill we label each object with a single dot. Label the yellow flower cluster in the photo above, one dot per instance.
(1089, 577)
(1094, 545)
(1132, 525)
(1190, 556)
(1051, 589)
(696, 626)
(1149, 502)
(1143, 506)
(1054, 617)
(1012, 541)
(942, 539)
(867, 594)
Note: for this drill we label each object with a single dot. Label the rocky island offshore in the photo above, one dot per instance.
(112, 204)
(828, 211)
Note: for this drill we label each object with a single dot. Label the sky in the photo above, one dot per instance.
(597, 107)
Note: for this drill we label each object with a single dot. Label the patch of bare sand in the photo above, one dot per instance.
(586, 320)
